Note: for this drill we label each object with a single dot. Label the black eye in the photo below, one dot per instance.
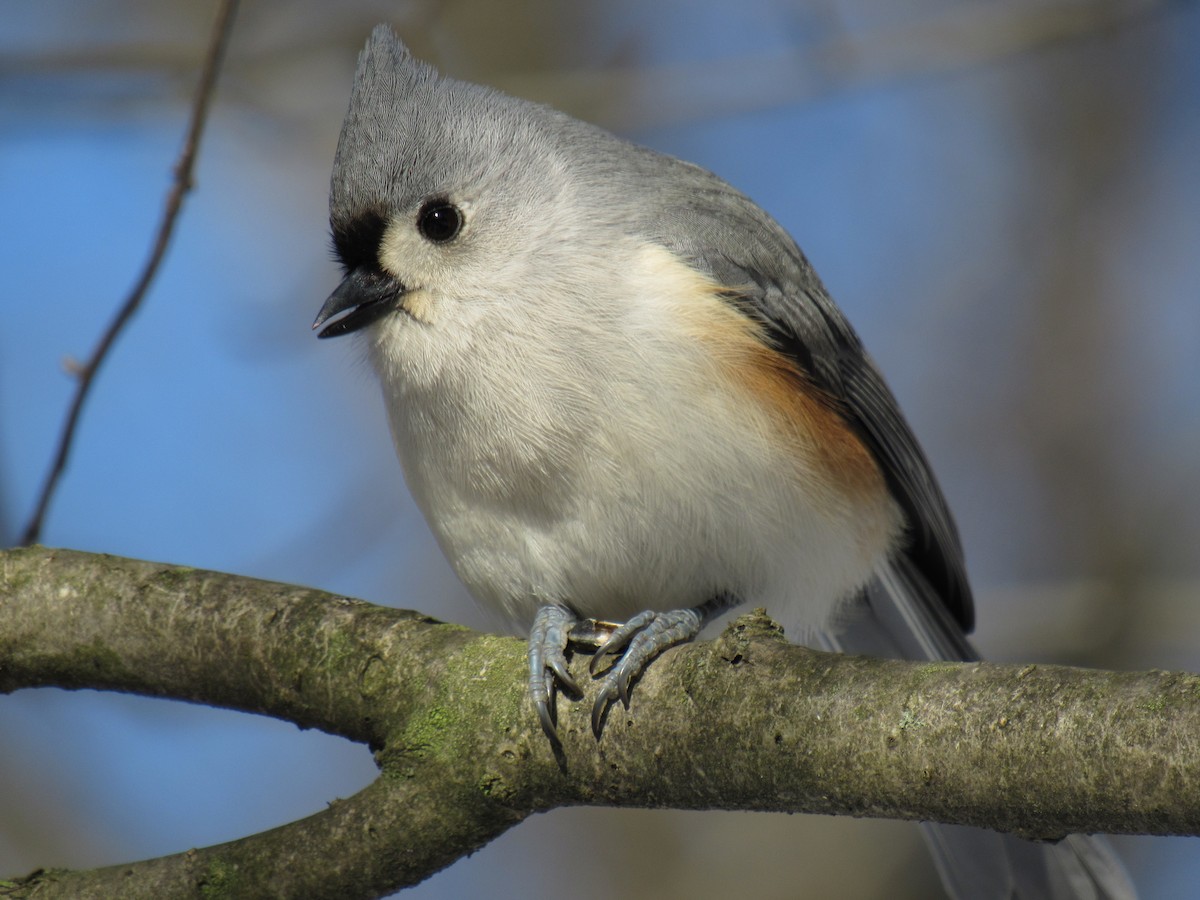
(439, 221)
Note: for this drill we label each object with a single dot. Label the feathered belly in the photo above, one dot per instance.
(660, 511)
(650, 455)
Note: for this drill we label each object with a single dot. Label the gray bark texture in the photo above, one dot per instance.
(747, 721)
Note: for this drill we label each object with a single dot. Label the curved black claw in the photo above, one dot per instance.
(644, 637)
(548, 666)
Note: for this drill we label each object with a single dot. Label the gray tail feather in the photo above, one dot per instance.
(899, 616)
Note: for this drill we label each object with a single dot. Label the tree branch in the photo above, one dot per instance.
(181, 183)
(747, 721)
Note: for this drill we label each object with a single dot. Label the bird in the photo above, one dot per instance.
(623, 400)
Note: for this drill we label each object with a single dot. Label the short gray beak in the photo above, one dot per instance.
(364, 295)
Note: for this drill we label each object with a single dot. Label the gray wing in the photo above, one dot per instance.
(720, 231)
(919, 605)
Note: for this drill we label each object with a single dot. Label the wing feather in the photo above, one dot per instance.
(724, 234)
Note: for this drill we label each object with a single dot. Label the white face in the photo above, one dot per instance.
(508, 274)
(434, 273)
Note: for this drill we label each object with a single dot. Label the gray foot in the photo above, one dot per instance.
(547, 662)
(643, 637)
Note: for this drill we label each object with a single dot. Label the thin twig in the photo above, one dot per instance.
(181, 183)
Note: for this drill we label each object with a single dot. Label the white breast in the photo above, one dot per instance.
(589, 446)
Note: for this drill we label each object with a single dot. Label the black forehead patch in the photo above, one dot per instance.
(356, 239)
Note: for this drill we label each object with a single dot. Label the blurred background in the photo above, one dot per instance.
(1004, 197)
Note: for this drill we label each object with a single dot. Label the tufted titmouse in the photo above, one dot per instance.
(614, 381)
